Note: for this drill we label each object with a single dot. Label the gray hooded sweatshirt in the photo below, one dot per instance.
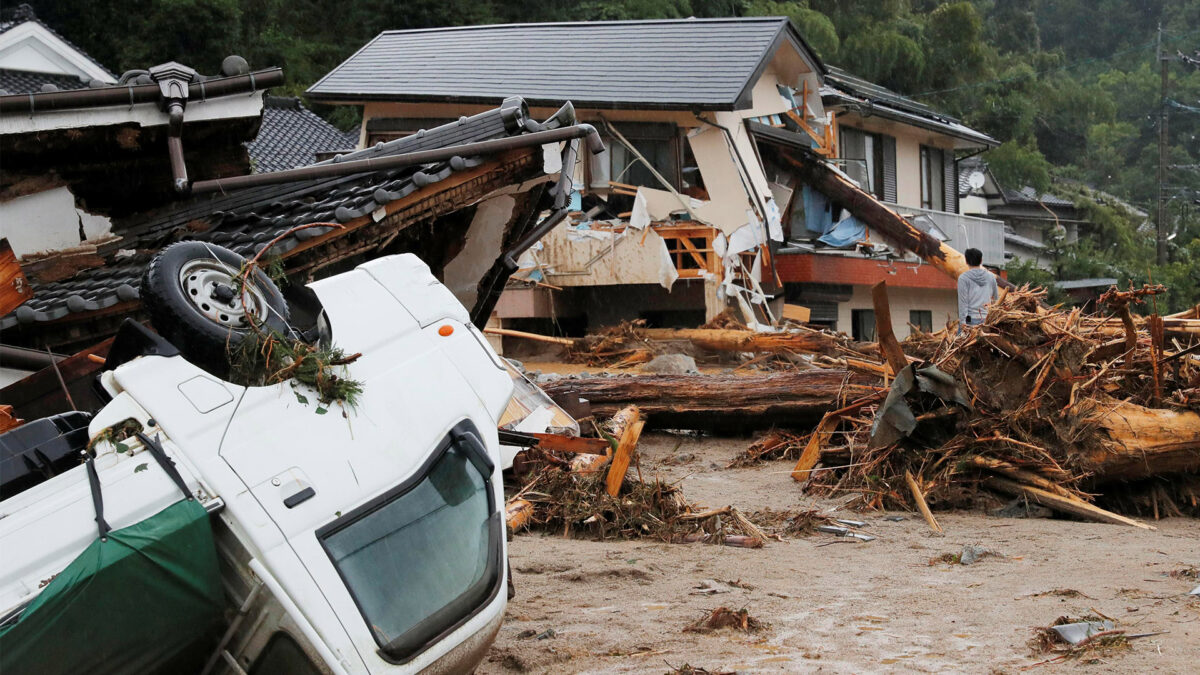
(976, 287)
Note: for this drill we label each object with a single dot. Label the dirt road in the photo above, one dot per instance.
(585, 606)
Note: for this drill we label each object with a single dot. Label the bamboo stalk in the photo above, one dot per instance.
(529, 336)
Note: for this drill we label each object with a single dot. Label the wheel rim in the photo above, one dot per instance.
(210, 287)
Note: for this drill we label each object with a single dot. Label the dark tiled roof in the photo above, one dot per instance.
(681, 64)
(28, 82)
(1027, 195)
(15, 16)
(291, 136)
(843, 88)
(246, 220)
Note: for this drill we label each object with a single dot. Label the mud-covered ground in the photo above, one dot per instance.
(880, 606)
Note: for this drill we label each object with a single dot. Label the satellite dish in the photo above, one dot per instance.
(975, 180)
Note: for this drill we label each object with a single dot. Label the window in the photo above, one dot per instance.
(921, 318)
(862, 324)
(658, 143)
(933, 177)
(423, 558)
(863, 155)
(283, 655)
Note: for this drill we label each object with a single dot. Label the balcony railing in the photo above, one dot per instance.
(963, 232)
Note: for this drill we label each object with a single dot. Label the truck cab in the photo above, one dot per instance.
(349, 539)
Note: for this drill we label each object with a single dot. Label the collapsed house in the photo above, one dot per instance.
(693, 209)
(93, 186)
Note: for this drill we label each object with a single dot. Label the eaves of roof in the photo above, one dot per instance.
(937, 123)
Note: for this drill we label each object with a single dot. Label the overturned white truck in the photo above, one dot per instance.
(253, 529)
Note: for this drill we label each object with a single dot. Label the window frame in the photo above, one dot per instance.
(665, 132)
(933, 199)
(452, 616)
(873, 166)
(921, 314)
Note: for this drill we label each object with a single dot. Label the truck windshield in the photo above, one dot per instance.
(422, 559)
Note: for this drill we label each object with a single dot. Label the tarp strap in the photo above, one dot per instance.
(167, 464)
(97, 498)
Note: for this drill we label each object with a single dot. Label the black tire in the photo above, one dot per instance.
(177, 306)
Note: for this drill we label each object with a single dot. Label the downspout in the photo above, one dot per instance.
(498, 276)
(172, 79)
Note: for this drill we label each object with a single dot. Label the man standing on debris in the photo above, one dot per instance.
(976, 288)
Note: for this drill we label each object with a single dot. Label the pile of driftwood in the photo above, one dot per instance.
(1049, 405)
(594, 495)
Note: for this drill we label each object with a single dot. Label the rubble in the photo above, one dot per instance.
(1044, 417)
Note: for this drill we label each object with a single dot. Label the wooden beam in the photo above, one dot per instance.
(1062, 504)
(14, 287)
(573, 444)
(883, 328)
(624, 454)
(529, 336)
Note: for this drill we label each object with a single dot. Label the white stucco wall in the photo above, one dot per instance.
(48, 221)
(942, 303)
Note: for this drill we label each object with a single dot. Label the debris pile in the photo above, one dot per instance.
(593, 495)
(1044, 404)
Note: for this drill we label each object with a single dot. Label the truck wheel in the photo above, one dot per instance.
(189, 291)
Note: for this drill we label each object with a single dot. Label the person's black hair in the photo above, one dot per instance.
(974, 257)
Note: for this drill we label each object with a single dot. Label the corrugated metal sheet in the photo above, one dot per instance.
(705, 63)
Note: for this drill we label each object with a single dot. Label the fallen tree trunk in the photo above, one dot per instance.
(1145, 442)
(723, 402)
(724, 340)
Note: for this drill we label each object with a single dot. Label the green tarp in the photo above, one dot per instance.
(148, 599)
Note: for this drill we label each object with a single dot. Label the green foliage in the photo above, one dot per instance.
(263, 359)
(1015, 164)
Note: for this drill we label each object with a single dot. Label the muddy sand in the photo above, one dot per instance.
(880, 606)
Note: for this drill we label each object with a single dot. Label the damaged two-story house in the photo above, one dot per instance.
(691, 210)
(905, 154)
(677, 217)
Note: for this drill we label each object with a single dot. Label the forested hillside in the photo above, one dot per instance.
(1072, 87)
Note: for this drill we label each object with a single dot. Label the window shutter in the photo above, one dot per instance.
(951, 181)
(889, 168)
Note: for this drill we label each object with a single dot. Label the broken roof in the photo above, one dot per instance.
(842, 88)
(245, 220)
(707, 64)
(292, 135)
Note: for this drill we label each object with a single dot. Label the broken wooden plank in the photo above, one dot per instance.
(797, 313)
(7, 419)
(812, 450)
(922, 506)
(574, 444)
(14, 287)
(883, 328)
(623, 455)
(1061, 504)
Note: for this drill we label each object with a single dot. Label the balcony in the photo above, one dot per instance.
(961, 232)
